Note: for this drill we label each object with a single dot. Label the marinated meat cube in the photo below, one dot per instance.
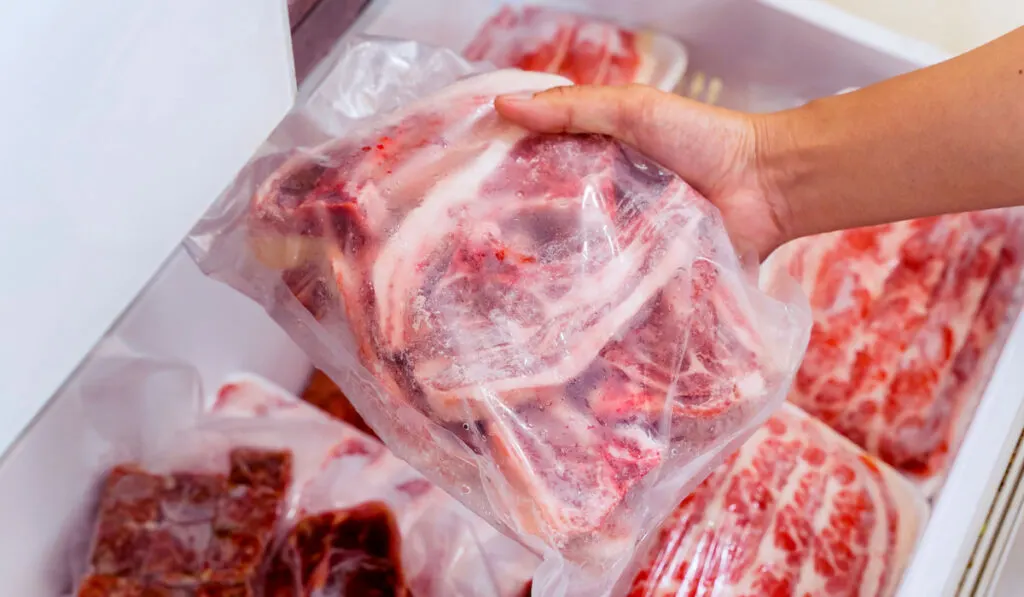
(100, 585)
(174, 553)
(234, 556)
(261, 468)
(369, 529)
(118, 547)
(131, 495)
(356, 574)
(113, 586)
(225, 590)
(250, 509)
(349, 552)
(192, 497)
(308, 544)
(798, 510)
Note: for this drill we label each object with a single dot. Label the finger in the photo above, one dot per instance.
(696, 141)
(613, 111)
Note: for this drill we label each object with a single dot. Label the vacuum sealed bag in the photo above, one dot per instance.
(260, 494)
(909, 319)
(798, 510)
(553, 328)
(584, 49)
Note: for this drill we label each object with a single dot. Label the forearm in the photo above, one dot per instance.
(944, 139)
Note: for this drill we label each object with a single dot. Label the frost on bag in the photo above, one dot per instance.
(909, 319)
(554, 328)
(798, 510)
(205, 502)
(586, 50)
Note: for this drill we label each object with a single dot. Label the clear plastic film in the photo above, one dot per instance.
(909, 320)
(205, 501)
(798, 510)
(554, 329)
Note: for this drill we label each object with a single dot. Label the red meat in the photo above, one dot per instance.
(572, 312)
(797, 511)
(895, 310)
(581, 49)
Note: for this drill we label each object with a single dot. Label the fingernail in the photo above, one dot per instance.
(517, 98)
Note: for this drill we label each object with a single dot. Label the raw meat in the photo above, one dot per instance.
(335, 554)
(581, 49)
(894, 307)
(423, 540)
(568, 315)
(798, 510)
(186, 533)
(323, 393)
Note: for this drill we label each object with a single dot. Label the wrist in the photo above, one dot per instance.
(789, 171)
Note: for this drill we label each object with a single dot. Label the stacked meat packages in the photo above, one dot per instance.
(909, 319)
(554, 328)
(798, 510)
(581, 48)
(329, 512)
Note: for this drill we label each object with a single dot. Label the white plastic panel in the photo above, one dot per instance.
(121, 122)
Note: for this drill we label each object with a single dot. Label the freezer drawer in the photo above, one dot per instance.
(769, 54)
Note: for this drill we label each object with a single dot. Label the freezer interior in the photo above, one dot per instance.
(768, 54)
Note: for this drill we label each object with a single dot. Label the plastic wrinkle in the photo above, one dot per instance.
(553, 328)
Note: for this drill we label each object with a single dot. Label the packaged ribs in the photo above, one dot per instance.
(212, 501)
(583, 49)
(909, 319)
(798, 510)
(553, 328)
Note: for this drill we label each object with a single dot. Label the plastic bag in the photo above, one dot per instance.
(199, 501)
(586, 50)
(552, 328)
(445, 549)
(909, 319)
(798, 510)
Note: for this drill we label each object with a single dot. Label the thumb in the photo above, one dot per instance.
(699, 142)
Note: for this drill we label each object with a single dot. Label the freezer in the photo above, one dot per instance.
(762, 55)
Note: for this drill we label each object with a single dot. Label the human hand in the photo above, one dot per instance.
(712, 149)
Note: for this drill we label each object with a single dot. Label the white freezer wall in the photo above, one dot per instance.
(121, 121)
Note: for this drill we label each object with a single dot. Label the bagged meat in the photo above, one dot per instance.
(208, 501)
(555, 329)
(908, 321)
(798, 510)
(365, 505)
(186, 532)
(582, 49)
